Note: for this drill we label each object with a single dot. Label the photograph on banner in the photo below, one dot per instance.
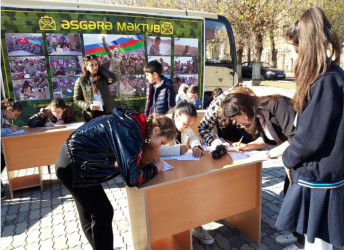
(27, 67)
(128, 84)
(185, 79)
(64, 44)
(157, 46)
(24, 44)
(186, 65)
(61, 66)
(114, 89)
(63, 87)
(165, 63)
(118, 53)
(31, 89)
(186, 47)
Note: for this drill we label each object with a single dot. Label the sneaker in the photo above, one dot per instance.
(286, 238)
(202, 235)
(292, 247)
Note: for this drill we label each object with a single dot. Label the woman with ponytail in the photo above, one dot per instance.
(102, 149)
(91, 90)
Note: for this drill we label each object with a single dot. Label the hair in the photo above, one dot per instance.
(184, 107)
(153, 66)
(317, 46)
(158, 38)
(150, 154)
(26, 84)
(236, 103)
(85, 72)
(216, 92)
(241, 89)
(166, 125)
(57, 103)
(193, 89)
(10, 103)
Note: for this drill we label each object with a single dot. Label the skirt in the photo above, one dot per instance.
(316, 212)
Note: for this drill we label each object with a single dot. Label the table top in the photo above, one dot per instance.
(184, 170)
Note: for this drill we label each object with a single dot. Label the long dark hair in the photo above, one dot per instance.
(85, 72)
(313, 37)
(236, 103)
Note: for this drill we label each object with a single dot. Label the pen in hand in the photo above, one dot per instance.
(236, 147)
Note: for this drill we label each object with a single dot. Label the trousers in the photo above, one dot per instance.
(94, 208)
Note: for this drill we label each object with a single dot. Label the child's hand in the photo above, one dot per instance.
(49, 124)
(159, 164)
(59, 122)
(13, 128)
(183, 149)
(242, 146)
(197, 152)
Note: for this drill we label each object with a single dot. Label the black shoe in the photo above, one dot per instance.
(3, 195)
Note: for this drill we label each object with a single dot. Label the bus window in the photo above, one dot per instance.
(218, 45)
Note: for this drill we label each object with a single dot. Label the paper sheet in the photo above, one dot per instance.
(166, 166)
(74, 125)
(185, 157)
(56, 126)
(99, 104)
(17, 132)
(237, 156)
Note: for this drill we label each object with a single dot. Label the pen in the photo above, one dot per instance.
(177, 141)
(239, 141)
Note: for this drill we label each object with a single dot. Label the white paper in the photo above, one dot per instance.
(99, 104)
(185, 157)
(166, 166)
(206, 148)
(17, 132)
(74, 125)
(236, 156)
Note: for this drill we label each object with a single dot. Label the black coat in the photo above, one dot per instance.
(106, 147)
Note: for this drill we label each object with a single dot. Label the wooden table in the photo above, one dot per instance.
(35, 148)
(165, 209)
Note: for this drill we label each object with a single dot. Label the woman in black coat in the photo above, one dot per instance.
(100, 150)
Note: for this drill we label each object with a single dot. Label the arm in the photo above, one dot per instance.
(111, 77)
(317, 119)
(255, 145)
(198, 103)
(171, 97)
(193, 139)
(6, 131)
(37, 120)
(106, 47)
(78, 97)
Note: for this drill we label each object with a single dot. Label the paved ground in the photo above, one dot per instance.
(48, 219)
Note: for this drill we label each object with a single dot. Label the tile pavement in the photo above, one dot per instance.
(43, 220)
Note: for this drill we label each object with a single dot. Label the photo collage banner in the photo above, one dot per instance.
(43, 49)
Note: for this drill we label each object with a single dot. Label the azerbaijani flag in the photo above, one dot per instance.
(122, 44)
(26, 41)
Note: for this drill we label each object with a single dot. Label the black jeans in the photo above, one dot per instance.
(94, 208)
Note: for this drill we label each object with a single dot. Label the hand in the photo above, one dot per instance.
(215, 142)
(288, 171)
(94, 107)
(183, 149)
(159, 164)
(49, 124)
(197, 152)
(242, 146)
(13, 128)
(59, 122)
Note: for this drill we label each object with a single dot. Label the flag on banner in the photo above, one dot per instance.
(122, 44)
(35, 43)
(22, 40)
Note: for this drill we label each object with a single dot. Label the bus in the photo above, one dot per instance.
(43, 43)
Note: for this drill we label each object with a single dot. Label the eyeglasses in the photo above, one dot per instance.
(90, 57)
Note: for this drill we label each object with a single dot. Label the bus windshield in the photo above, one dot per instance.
(218, 45)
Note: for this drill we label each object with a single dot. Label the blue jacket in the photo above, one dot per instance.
(316, 151)
(161, 99)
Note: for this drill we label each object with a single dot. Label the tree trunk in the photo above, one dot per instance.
(273, 51)
(239, 61)
(256, 75)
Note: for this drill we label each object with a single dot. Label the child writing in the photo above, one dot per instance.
(56, 113)
(184, 115)
(189, 94)
(10, 110)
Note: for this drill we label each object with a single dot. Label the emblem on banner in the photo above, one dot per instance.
(167, 28)
(47, 23)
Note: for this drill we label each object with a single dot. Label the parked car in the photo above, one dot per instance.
(267, 71)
